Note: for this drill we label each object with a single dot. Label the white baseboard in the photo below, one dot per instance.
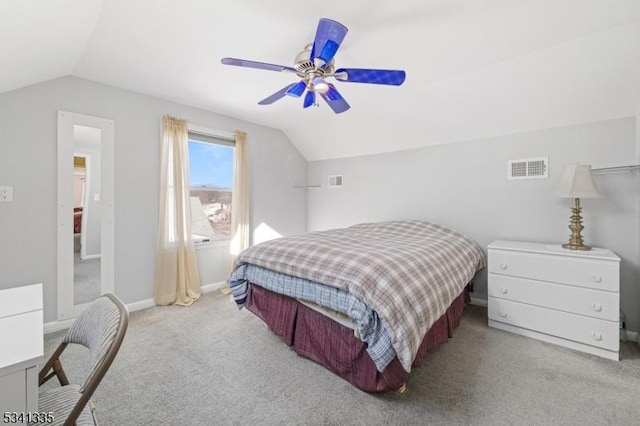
(479, 302)
(90, 257)
(213, 287)
(632, 336)
(54, 326)
(142, 304)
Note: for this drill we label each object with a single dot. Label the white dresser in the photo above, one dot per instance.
(567, 297)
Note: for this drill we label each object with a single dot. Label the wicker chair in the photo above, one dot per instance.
(100, 328)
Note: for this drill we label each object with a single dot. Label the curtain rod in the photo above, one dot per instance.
(618, 169)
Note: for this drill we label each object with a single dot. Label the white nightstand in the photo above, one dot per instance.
(567, 297)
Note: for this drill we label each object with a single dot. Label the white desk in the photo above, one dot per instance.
(21, 334)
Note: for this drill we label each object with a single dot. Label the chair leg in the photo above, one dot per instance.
(62, 377)
(44, 374)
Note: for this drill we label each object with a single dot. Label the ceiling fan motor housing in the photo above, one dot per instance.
(307, 69)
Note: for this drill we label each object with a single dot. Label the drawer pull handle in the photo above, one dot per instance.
(503, 265)
(503, 314)
(596, 307)
(596, 336)
(503, 290)
(597, 278)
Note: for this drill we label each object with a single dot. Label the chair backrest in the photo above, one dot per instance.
(100, 328)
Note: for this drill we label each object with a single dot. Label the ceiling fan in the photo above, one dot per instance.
(315, 63)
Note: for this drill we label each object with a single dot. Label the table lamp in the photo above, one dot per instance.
(577, 183)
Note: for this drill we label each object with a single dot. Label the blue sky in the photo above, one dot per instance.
(210, 164)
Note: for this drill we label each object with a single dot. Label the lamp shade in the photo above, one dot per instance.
(577, 183)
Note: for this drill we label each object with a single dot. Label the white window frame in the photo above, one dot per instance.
(218, 134)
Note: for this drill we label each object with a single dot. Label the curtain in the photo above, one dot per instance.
(240, 199)
(176, 274)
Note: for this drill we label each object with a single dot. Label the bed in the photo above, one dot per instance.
(77, 220)
(366, 302)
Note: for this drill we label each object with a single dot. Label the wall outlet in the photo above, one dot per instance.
(6, 194)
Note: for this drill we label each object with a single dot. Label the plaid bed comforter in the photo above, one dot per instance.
(408, 272)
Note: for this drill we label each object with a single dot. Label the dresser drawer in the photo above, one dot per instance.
(590, 331)
(577, 300)
(591, 273)
(23, 337)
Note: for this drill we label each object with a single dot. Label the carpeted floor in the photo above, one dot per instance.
(86, 279)
(86, 276)
(210, 364)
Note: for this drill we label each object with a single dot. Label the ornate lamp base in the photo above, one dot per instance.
(573, 247)
(575, 241)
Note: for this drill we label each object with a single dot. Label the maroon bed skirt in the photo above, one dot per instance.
(335, 347)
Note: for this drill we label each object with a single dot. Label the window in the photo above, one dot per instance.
(211, 177)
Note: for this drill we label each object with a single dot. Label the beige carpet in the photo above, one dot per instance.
(213, 365)
(86, 280)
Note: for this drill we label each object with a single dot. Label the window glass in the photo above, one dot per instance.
(211, 177)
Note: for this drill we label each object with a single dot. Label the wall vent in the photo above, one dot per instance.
(335, 181)
(530, 168)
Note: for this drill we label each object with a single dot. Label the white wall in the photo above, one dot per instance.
(213, 262)
(464, 186)
(630, 325)
(28, 128)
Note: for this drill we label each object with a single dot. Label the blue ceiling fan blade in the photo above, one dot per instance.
(309, 99)
(332, 93)
(328, 51)
(279, 94)
(335, 100)
(371, 76)
(253, 64)
(328, 31)
(296, 90)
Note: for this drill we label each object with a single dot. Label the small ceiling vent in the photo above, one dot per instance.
(530, 168)
(335, 181)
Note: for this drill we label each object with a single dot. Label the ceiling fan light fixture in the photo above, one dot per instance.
(320, 86)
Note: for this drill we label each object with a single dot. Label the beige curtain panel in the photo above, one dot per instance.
(176, 274)
(240, 199)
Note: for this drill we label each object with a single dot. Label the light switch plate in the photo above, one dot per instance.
(6, 194)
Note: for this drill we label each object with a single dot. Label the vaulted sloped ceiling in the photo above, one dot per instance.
(475, 68)
(41, 40)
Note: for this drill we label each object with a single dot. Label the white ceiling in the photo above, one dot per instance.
(475, 68)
